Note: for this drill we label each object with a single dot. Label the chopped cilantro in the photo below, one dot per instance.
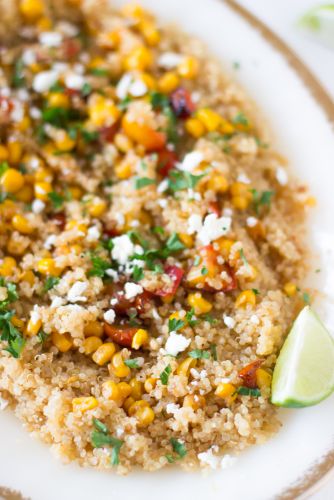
(179, 180)
(209, 318)
(178, 447)
(306, 298)
(261, 144)
(18, 79)
(143, 182)
(190, 317)
(173, 244)
(197, 260)
(261, 199)
(204, 271)
(175, 324)
(243, 257)
(131, 363)
(59, 117)
(161, 101)
(137, 238)
(3, 167)
(86, 89)
(158, 100)
(124, 103)
(213, 350)
(57, 87)
(256, 291)
(164, 375)
(158, 230)
(170, 458)
(50, 282)
(56, 199)
(240, 119)
(42, 336)
(101, 438)
(41, 135)
(99, 266)
(99, 72)
(89, 136)
(199, 354)
(137, 273)
(10, 334)
(246, 391)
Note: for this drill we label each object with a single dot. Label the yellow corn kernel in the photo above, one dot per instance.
(145, 416)
(194, 401)
(185, 366)
(124, 390)
(31, 9)
(186, 239)
(79, 226)
(150, 384)
(290, 289)
(43, 174)
(148, 79)
(127, 403)
(195, 127)
(118, 367)
(84, 404)
(226, 127)
(123, 143)
(48, 267)
(311, 201)
(14, 151)
(136, 388)
(244, 298)
(200, 305)
(97, 208)
(23, 124)
(42, 189)
(133, 10)
(188, 68)
(136, 405)
(150, 33)
(111, 391)
(218, 183)
(139, 58)
(33, 327)
(225, 246)
(226, 391)
(44, 24)
(25, 194)
(168, 82)
(14, 247)
(7, 209)
(251, 273)
(64, 142)
(140, 338)
(58, 100)
(12, 180)
(63, 342)
(103, 111)
(22, 224)
(104, 353)
(93, 329)
(240, 189)
(3, 153)
(263, 379)
(209, 118)
(19, 323)
(123, 170)
(8, 266)
(91, 344)
(75, 192)
(240, 202)
(29, 277)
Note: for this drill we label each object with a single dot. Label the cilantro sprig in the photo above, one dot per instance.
(179, 180)
(247, 391)
(175, 324)
(199, 354)
(164, 375)
(261, 200)
(101, 438)
(178, 448)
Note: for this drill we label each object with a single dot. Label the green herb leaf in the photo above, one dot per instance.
(100, 438)
(124, 103)
(306, 298)
(178, 447)
(246, 391)
(3, 167)
(100, 426)
(204, 271)
(158, 230)
(89, 136)
(158, 100)
(164, 375)
(213, 350)
(99, 72)
(18, 79)
(174, 244)
(256, 291)
(86, 89)
(175, 324)
(179, 180)
(131, 363)
(261, 199)
(199, 354)
(99, 266)
(137, 273)
(170, 458)
(60, 117)
(10, 334)
(50, 282)
(42, 336)
(243, 257)
(56, 199)
(209, 318)
(190, 317)
(143, 182)
(240, 119)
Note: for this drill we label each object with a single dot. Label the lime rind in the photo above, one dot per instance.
(319, 22)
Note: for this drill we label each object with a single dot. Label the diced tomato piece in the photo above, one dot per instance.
(182, 103)
(59, 220)
(110, 230)
(71, 92)
(107, 134)
(248, 373)
(143, 134)
(70, 48)
(176, 274)
(214, 208)
(166, 162)
(121, 335)
(122, 306)
(232, 283)
(6, 107)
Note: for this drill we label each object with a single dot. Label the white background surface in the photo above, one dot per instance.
(281, 16)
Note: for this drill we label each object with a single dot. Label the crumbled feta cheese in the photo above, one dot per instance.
(23, 95)
(176, 343)
(213, 228)
(229, 321)
(138, 88)
(123, 86)
(35, 316)
(50, 241)
(228, 212)
(50, 38)
(109, 316)
(163, 186)
(169, 60)
(191, 161)
(254, 319)
(172, 408)
(93, 233)
(227, 461)
(35, 113)
(243, 178)
(119, 218)
(37, 206)
(132, 290)
(68, 29)
(194, 223)
(196, 97)
(282, 176)
(113, 301)
(3, 404)
(155, 314)
(208, 458)
(17, 112)
(44, 80)
(74, 81)
(123, 249)
(75, 292)
(29, 57)
(251, 221)
(163, 203)
(57, 302)
(140, 361)
(112, 274)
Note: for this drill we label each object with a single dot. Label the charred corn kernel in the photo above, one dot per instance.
(225, 246)
(7, 209)
(150, 33)
(145, 416)
(3, 153)
(8, 266)
(263, 379)
(186, 239)
(91, 344)
(103, 111)
(97, 208)
(194, 401)
(226, 127)
(209, 118)
(42, 189)
(48, 267)
(25, 194)
(185, 366)
(127, 403)
(123, 170)
(75, 192)
(111, 391)
(123, 143)
(136, 388)
(93, 329)
(188, 67)
(118, 367)
(139, 339)
(218, 183)
(22, 224)
(244, 298)
(63, 342)
(29, 277)
(240, 202)
(104, 353)
(44, 24)
(12, 180)
(195, 127)
(64, 142)
(200, 305)
(124, 390)
(58, 100)
(33, 327)
(150, 384)
(168, 82)
(136, 405)
(84, 404)
(14, 247)
(140, 58)
(226, 391)
(14, 151)
(290, 289)
(31, 9)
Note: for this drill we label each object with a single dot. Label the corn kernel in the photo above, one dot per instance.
(127, 403)
(194, 401)
(185, 366)
(31, 9)
(139, 58)
(240, 202)
(29, 277)
(97, 208)
(14, 247)
(209, 118)
(44, 24)
(145, 416)
(25, 194)
(43, 174)
(123, 170)
(75, 192)
(58, 100)
(218, 183)
(124, 390)
(123, 144)
(150, 384)
(244, 298)
(226, 127)
(139, 339)
(111, 391)
(63, 342)
(225, 246)
(188, 68)
(19, 323)
(3, 153)
(200, 305)
(33, 327)
(150, 33)
(48, 267)
(263, 380)
(42, 189)
(14, 151)
(195, 127)
(226, 391)
(91, 344)
(136, 405)
(168, 82)
(22, 224)
(102, 111)
(93, 329)
(290, 289)
(104, 353)
(118, 367)
(23, 124)
(186, 239)
(8, 266)
(84, 404)
(64, 142)
(12, 180)
(136, 388)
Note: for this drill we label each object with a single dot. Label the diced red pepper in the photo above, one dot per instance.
(248, 374)
(182, 103)
(107, 134)
(166, 162)
(214, 208)
(121, 335)
(70, 48)
(176, 274)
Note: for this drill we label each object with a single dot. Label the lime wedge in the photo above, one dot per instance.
(319, 22)
(304, 372)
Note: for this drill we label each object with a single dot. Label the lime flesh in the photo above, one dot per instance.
(304, 372)
(319, 22)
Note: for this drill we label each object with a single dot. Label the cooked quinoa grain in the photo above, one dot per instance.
(151, 242)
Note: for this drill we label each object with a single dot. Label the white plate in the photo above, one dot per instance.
(303, 133)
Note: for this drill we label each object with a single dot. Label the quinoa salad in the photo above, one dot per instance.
(151, 242)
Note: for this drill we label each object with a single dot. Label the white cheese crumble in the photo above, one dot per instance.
(176, 343)
(254, 319)
(213, 228)
(57, 302)
(123, 86)
(50, 38)
(172, 408)
(208, 458)
(191, 161)
(170, 60)
(93, 233)
(3, 404)
(109, 316)
(74, 81)
(282, 176)
(243, 178)
(112, 274)
(35, 316)
(37, 206)
(123, 249)
(44, 80)
(50, 241)
(229, 321)
(163, 186)
(75, 292)
(251, 221)
(138, 88)
(194, 223)
(29, 57)
(132, 290)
